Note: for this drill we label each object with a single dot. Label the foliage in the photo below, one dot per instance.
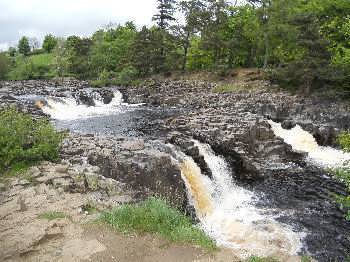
(343, 174)
(126, 76)
(165, 15)
(343, 140)
(49, 43)
(155, 216)
(23, 46)
(5, 64)
(112, 49)
(24, 141)
(303, 45)
(52, 215)
(77, 56)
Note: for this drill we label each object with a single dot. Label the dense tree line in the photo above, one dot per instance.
(301, 44)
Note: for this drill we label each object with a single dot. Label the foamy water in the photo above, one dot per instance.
(68, 109)
(227, 212)
(301, 140)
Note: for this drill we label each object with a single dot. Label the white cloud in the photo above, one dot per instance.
(36, 18)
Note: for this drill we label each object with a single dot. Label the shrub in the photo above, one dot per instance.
(126, 76)
(344, 141)
(24, 141)
(155, 216)
(343, 174)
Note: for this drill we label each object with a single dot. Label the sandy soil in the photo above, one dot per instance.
(26, 236)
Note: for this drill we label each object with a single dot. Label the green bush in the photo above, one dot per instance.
(155, 216)
(343, 174)
(126, 76)
(24, 141)
(344, 141)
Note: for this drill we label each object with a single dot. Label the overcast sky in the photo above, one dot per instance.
(36, 18)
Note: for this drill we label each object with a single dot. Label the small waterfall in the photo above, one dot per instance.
(69, 109)
(227, 212)
(301, 140)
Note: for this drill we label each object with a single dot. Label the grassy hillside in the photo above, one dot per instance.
(32, 67)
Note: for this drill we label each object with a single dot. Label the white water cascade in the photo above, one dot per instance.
(301, 140)
(68, 109)
(227, 212)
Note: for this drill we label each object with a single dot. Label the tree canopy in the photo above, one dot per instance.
(303, 45)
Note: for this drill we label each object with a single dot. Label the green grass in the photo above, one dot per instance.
(262, 259)
(306, 259)
(42, 59)
(271, 259)
(52, 215)
(32, 67)
(227, 88)
(155, 216)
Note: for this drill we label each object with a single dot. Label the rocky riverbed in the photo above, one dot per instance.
(138, 160)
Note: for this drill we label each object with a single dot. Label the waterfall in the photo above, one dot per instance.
(301, 140)
(227, 213)
(69, 109)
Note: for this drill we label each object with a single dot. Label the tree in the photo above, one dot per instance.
(165, 15)
(112, 48)
(12, 51)
(49, 43)
(312, 70)
(183, 33)
(23, 46)
(60, 58)
(77, 54)
(146, 48)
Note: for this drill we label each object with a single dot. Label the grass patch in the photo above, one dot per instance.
(155, 216)
(32, 67)
(52, 215)
(262, 259)
(227, 88)
(306, 259)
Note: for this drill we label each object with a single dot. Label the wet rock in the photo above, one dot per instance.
(85, 99)
(107, 95)
(288, 124)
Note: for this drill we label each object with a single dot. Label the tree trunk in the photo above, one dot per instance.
(266, 57)
(186, 46)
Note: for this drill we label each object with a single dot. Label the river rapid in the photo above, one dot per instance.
(284, 209)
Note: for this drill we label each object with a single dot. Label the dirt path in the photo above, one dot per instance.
(40, 220)
(148, 248)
